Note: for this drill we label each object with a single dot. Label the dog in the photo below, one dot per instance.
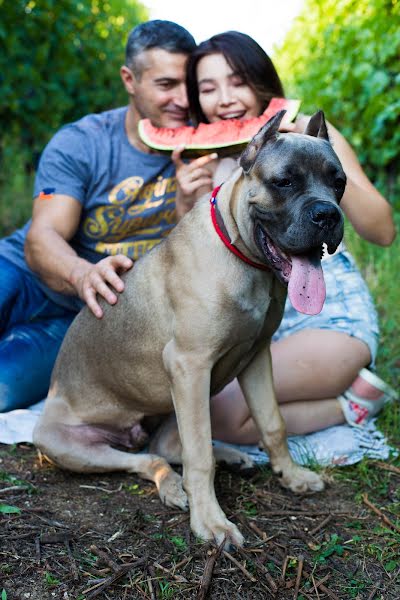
(196, 312)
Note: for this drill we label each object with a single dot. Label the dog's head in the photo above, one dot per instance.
(293, 184)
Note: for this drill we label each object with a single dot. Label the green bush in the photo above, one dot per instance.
(343, 56)
(59, 60)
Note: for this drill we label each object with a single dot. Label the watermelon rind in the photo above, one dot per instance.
(151, 135)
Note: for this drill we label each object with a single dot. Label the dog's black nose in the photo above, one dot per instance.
(324, 214)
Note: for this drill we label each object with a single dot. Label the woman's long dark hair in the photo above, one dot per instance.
(246, 58)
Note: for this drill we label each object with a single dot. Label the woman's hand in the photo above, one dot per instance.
(194, 179)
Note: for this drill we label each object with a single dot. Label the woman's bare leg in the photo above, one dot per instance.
(311, 368)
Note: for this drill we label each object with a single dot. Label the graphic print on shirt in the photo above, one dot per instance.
(136, 219)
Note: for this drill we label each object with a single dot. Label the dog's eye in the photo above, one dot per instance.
(283, 182)
(339, 185)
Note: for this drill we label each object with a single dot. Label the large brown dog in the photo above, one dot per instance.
(194, 316)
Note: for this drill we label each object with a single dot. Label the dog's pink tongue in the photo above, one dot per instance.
(306, 287)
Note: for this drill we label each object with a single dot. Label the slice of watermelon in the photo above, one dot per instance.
(225, 137)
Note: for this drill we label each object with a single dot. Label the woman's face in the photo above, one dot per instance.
(223, 93)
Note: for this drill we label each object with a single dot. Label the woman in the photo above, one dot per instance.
(318, 362)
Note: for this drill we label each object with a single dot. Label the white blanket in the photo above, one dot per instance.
(340, 445)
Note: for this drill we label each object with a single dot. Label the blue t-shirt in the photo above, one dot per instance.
(127, 196)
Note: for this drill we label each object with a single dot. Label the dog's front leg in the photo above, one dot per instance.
(256, 382)
(189, 375)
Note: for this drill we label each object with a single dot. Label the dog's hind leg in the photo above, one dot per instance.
(64, 445)
(257, 385)
(166, 443)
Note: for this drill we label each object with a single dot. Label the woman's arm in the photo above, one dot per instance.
(367, 210)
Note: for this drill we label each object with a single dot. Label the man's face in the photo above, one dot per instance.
(159, 93)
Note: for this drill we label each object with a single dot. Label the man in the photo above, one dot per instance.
(101, 201)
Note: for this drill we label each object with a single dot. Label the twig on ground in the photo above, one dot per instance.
(284, 567)
(320, 582)
(380, 514)
(153, 576)
(259, 565)
(387, 467)
(300, 565)
(113, 578)
(95, 487)
(239, 566)
(38, 550)
(182, 562)
(151, 589)
(273, 559)
(72, 562)
(261, 534)
(205, 582)
(374, 591)
(321, 525)
(15, 488)
(178, 578)
(298, 513)
(322, 587)
(55, 538)
(315, 586)
(105, 558)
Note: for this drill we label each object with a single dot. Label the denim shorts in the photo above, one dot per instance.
(348, 308)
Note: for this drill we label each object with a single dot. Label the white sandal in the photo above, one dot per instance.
(365, 398)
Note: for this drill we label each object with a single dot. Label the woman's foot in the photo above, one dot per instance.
(365, 398)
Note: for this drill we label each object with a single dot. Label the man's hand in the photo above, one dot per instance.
(101, 278)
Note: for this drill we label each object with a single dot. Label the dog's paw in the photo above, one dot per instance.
(218, 531)
(300, 480)
(172, 493)
(233, 457)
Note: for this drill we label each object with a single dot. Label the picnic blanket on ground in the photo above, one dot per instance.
(340, 445)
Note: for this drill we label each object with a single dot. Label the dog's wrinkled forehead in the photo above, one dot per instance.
(269, 147)
(293, 152)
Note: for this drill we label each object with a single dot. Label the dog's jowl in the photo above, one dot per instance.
(198, 311)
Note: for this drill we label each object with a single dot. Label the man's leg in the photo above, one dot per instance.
(27, 356)
(31, 331)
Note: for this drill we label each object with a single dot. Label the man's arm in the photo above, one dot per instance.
(49, 254)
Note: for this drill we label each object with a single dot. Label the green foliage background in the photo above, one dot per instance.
(344, 56)
(59, 60)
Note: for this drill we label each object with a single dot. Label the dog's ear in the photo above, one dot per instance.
(266, 134)
(317, 126)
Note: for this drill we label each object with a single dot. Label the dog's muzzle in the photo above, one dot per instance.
(324, 214)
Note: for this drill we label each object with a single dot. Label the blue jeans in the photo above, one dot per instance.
(32, 328)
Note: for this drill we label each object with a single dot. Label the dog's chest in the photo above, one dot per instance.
(253, 310)
(252, 302)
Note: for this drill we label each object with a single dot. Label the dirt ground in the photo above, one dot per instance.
(109, 536)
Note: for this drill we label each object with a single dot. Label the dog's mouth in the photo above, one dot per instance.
(301, 272)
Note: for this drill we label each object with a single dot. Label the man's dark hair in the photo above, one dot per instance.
(246, 58)
(166, 35)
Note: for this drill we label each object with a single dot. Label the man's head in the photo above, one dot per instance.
(155, 70)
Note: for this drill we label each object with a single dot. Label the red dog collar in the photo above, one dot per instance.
(224, 237)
